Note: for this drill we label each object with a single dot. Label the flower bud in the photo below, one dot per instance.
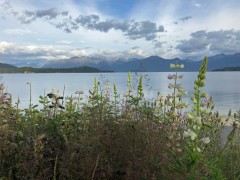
(172, 66)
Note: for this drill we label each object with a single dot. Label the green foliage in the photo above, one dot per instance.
(106, 136)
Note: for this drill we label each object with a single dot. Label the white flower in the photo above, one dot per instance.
(172, 66)
(56, 93)
(181, 66)
(198, 149)
(190, 133)
(206, 140)
(193, 135)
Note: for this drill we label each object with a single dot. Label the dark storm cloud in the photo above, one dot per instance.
(227, 41)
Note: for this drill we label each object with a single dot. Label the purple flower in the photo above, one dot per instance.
(207, 101)
(172, 76)
(179, 114)
(5, 97)
(178, 86)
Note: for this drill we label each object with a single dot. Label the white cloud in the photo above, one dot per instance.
(111, 36)
(18, 31)
(197, 5)
(4, 46)
(65, 42)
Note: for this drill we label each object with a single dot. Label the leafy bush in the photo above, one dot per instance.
(108, 137)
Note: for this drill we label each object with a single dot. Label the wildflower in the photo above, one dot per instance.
(179, 86)
(55, 92)
(179, 114)
(172, 76)
(195, 127)
(199, 120)
(180, 77)
(181, 66)
(172, 66)
(79, 92)
(190, 133)
(198, 149)
(183, 126)
(55, 100)
(206, 140)
(170, 86)
(175, 126)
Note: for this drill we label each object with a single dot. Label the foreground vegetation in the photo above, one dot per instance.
(108, 137)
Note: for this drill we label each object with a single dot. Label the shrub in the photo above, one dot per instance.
(108, 137)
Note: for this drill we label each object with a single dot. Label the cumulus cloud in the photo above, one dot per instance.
(15, 53)
(29, 16)
(227, 41)
(144, 29)
(131, 29)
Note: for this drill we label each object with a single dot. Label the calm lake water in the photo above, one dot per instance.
(223, 86)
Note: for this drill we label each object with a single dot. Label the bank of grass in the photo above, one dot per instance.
(105, 137)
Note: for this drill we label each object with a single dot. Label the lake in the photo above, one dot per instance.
(223, 86)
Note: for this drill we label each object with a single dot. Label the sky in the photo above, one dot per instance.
(32, 30)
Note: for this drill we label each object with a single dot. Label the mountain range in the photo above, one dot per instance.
(149, 64)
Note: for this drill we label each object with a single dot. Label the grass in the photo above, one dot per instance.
(105, 137)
